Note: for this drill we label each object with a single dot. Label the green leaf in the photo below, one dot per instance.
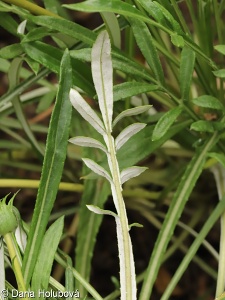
(8, 23)
(50, 57)
(220, 49)
(208, 101)
(36, 34)
(54, 158)
(112, 27)
(176, 207)
(165, 122)
(129, 89)
(220, 73)
(115, 6)
(161, 15)
(69, 28)
(207, 126)
(146, 44)
(141, 145)
(40, 279)
(177, 40)
(210, 221)
(96, 193)
(120, 62)
(219, 157)
(11, 51)
(186, 71)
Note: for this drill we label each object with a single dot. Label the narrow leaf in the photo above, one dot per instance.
(86, 111)
(207, 126)
(115, 6)
(96, 193)
(219, 157)
(96, 168)
(146, 44)
(177, 40)
(186, 70)
(208, 101)
(129, 89)
(220, 73)
(165, 122)
(102, 73)
(11, 51)
(113, 28)
(40, 279)
(131, 172)
(127, 133)
(177, 205)
(87, 142)
(220, 49)
(52, 168)
(131, 112)
(101, 211)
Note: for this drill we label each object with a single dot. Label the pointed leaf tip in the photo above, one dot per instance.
(102, 73)
(86, 111)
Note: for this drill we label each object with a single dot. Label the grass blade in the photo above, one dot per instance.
(52, 168)
(145, 42)
(194, 248)
(180, 198)
(186, 70)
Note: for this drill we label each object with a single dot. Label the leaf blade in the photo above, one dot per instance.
(102, 73)
(127, 133)
(165, 122)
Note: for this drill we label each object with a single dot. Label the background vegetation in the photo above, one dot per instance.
(169, 54)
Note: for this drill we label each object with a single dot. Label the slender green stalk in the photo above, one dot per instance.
(219, 174)
(33, 8)
(16, 264)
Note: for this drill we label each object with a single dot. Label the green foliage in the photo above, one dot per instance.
(166, 70)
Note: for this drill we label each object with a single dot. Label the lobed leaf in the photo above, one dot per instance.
(127, 133)
(131, 112)
(102, 73)
(165, 122)
(87, 142)
(86, 111)
(96, 168)
(131, 172)
(208, 101)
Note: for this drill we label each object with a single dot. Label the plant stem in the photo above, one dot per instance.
(15, 263)
(219, 174)
(127, 269)
(31, 7)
